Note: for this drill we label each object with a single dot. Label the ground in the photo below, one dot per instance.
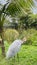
(27, 56)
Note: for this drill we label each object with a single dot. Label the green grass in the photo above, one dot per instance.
(27, 56)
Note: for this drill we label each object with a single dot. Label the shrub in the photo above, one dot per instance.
(10, 35)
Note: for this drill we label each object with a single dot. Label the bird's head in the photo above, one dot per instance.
(24, 39)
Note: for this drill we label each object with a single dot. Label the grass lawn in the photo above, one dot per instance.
(27, 56)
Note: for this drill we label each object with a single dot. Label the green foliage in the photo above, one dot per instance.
(16, 8)
(19, 7)
(29, 21)
(13, 9)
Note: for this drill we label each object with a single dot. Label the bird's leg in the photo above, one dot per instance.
(18, 57)
(14, 58)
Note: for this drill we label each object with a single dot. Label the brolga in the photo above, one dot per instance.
(14, 48)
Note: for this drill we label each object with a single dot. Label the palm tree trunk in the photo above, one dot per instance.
(2, 41)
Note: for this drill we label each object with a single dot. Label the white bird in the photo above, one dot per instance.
(14, 48)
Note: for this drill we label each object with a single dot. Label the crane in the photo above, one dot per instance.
(14, 48)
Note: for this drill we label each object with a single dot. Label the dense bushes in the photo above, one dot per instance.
(31, 35)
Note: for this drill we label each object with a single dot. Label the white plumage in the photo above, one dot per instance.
(14, 48)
